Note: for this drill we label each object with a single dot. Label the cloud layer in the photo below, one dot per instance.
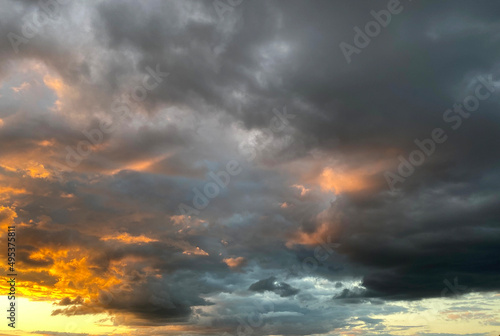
(201, 165)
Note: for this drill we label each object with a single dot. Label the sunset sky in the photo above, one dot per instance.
(249, 167)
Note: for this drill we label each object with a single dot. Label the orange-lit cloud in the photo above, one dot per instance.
(318, 236)
(37, 170)
(331, 174)
(46, 143)
(339, 182)
(195, 251)
(5, 191)
(285, 205)
(235, 262)
(22, 87)
(69, 275)
(142, 165)
(7, 216)
(128, 239)
(303, 190)
(66, 95)
(32, 168)
(59, 88)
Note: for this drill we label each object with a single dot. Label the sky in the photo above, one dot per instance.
(237, 167)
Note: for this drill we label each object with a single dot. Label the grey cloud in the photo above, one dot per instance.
(441, 224)
(271, 284)
(68, 301)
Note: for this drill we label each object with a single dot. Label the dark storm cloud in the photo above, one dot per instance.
(273, 285)
(414, 244)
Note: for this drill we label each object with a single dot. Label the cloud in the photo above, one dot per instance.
(102, 231)
(271, 284)
(68, 301)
